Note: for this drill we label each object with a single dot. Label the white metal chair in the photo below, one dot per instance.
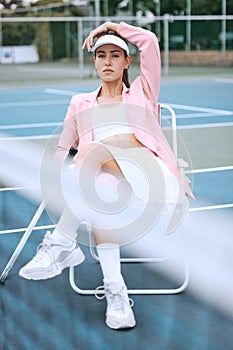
(77, 289)
(183, 286)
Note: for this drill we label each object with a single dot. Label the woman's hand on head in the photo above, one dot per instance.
(97, 32)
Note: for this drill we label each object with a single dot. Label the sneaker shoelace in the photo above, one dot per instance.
(118, 297)
(43, 248)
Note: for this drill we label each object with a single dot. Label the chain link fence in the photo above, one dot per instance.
(184, 40)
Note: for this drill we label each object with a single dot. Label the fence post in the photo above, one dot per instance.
(1, 41)
(188, 31)
(50, 39)
(97, 13)
(80, 51)
(67, 39)
(223, 35)
(166, 43)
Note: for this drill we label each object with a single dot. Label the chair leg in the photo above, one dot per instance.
(145, 291)
(22, 242)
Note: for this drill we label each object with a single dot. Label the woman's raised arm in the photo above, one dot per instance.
(95, 33)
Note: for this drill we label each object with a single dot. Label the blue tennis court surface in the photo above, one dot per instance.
(37, 111)
(49, 315)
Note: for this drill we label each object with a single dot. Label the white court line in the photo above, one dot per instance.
(44, 125)
(33, 103)
(201, 109)
(201, 126)
(22, 138)
(56, 124)
(205, 170)
(61, 92)
(212, 207)
(181, 127)
(26, 126)
(222, 80)
(11, 189)
(209, 170)
(197, 115)
(23, 229)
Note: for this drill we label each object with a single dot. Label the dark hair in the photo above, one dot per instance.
(125, 76)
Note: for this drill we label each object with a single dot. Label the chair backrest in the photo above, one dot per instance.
(159, 108)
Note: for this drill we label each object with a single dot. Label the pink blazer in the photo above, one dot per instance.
(143, 92)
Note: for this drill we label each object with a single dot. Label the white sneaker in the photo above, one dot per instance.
(51, 258)
(119, 312)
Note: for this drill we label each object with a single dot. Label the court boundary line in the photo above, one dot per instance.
(201, 109)
(12, 188)
(223, 80)
(16, 230)
(22, 138)
(44, 125)
(200, 126)
(209, 170)
(32, 103)
(29, 125)
(197, 171)
(214, 111)
(37, 228)
(61, 92)
(181, 127)
(212, 207)
(199, 115)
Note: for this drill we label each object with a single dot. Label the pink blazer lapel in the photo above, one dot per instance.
(84, 116)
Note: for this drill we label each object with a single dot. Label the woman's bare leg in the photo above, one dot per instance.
(93, 159)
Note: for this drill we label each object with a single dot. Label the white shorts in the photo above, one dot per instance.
(127, 211)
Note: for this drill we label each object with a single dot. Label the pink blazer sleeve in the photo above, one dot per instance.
(150, 64)
(69, 136)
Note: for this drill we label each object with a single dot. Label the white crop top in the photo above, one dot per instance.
(109, 120)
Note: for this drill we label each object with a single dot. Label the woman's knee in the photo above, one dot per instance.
(85, 154)
(93, 154)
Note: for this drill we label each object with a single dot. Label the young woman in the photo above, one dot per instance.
(120, 143)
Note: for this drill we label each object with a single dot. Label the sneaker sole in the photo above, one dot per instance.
(116, 323)
(76, 258)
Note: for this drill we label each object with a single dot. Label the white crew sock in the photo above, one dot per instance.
(109, 256)
(60, 237)
(66, 228)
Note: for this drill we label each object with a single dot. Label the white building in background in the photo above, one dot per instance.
(19, 54)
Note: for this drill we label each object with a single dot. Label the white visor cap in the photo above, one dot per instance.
(111, 39)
